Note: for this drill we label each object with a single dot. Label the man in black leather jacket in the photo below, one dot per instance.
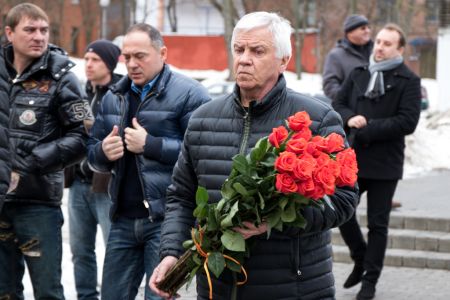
(46, 135)
(298, 261)
(5, 155)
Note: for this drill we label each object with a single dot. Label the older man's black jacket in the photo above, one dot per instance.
(46, 124)
(380, 145)
(289, 265)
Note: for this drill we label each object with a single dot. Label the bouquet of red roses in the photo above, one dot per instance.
(285, 172)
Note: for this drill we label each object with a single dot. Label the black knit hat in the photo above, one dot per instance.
(354, 21)
(107, 51)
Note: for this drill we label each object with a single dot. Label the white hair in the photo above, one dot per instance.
(279, 27)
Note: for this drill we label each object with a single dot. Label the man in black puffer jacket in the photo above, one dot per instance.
(47, 134)
(137, 136)
(294, 264)
(5, 155)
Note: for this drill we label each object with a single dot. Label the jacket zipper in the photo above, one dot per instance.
(145, 201)
(246, 133)
(297, 257)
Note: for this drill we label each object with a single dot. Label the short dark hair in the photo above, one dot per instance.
(153, 33)
(401, 33)
(19, 11)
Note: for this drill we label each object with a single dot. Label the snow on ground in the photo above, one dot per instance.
(427, 149)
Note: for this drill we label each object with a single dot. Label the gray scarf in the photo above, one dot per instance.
(376, 83)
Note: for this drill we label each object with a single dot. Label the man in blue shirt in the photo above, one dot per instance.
(137, 136)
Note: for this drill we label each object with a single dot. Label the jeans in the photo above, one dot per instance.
(31, 234)
(86, 210)
(132, 250)
(371, 254)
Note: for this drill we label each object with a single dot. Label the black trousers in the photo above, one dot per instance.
(379, 202)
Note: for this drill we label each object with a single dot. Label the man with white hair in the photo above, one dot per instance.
(298, 260)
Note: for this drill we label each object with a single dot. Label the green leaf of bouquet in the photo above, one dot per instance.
(233, 241)
(188, 244)
(300, 199)
(201, 211)
(240, 189)
(201, 196)
(196, 259)
(283, 202)
(279, 225)
(268, 159)
(289, 213)
(300, 222)
(274, 217)
(216, 263)
(212, 221)
(227, 221)
(233, 266)
(240, 163)
(227, 190)
(262, 202)
(259, 150)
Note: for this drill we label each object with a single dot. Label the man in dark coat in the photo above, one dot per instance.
(379, 105)
(89, 202)
(293, 264)
(5, 154)
(350, 52)
(137, 136)
(46, 135)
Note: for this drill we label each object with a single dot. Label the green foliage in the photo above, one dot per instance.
(248, 194)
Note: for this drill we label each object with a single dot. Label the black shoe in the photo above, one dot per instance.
(355, 276)
(366, 292)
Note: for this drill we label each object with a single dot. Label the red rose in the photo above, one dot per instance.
(306, 187)
(296, 146)
(322, 159)
(303, 169)
(278, 136)
(347, 158)
(305, 134)
(318, 192)
(325, 177)
(347, 177)
(320, 142)
(285, 184)
(285, 162)
(299, 121)
(335, 142)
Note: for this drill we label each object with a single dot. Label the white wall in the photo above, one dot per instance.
(443, 68)
(193, 16)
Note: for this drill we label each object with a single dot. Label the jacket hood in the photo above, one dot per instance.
(54, 60)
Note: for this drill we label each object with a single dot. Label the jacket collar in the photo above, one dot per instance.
(345, 44)
(54, 61)
(114, 79)
(271, 99)
(124, 85)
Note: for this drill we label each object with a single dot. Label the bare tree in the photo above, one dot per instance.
(172, 15)
(230, 16)
(300, 25)
(90, 17)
